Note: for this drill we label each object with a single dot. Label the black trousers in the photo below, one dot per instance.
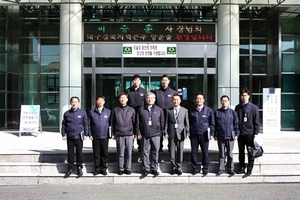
(77, 144)
(100, 150)
(201, 140)
(245, 140)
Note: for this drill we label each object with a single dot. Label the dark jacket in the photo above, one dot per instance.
(123, 121)
(227, 124)
(142, 122)
(136, 98)
(250, 127)
(74, 122)
(164, 97)
(201, 121)
(99, 123)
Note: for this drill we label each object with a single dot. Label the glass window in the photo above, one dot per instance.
(259, 82)
(50, 28)
(290, 26)
(28, 99)
(2, 118)
(244, 46)
(291, 62)
(244, 81)
(290, 43)
(244, 64)
(288, 83)
(211, 63)
(257, 100)
(50, 117)
(2, 62)
(28, 46)
(150, 62)
(29, 28)
(290, 101)
(244, 28)
(2, 81)
(87, 62)
(259, 28)
(108, 62)
(290, 120)
(259, 46)
(111, 89)
(2, 100)
(50, 46)
(28, 82)
(48, 63)
(87, 102)
(190, 62)
(259, 64)
(28, 64)
(49, 100)
(50, 82)
(210, 99)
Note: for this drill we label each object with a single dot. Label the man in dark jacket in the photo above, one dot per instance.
(74, 124)
(202, 127)
(136, 96)
(226, 132)
(123, 123)
(149, 129)
(248, 115)
(164, 98)
(99, 119)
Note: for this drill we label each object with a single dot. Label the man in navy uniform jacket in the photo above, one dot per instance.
(74, 123)
(202, 127)
(99, 119)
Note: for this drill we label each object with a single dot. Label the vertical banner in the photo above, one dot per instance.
(30, 119)
(271, 110)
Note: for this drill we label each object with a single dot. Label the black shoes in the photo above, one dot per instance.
(145, 173)
(220, 172)
(179, 172)
(249, 172)
(121, 173)
(205, 173)
(175, 171)
(127, 172)
(155, 173)
(71, 171)
(231, 173)
(194, 172)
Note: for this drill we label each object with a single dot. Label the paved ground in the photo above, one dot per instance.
(10, 142)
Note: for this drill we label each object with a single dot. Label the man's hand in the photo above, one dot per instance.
(139, 137)
(64, 138)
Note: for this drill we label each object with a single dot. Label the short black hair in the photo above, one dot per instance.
(200, 93)
(224, 96)
(176, 95)
(100, 97)
(165, 76)
(74, 97)
(245, 90)
(136, 76)
(123, 93)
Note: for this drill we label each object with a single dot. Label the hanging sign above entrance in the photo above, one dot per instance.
(149, 50)
(149, 32)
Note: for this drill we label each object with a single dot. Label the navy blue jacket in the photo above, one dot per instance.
(142, 122)
(201, 121)
(99, 123)
(122, 121)
(136, 98)
(164, 97)
(250, 127)
(74, 122)
(227, 124)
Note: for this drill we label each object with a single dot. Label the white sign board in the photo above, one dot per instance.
(29, 119)
(149, 50)
(271, 110)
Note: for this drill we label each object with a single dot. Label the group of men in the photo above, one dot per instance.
(151, 116)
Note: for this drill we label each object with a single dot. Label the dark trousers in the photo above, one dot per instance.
(176, 153)
(226, 146)
(245, 140)
(77, 144)
(100, 150)
(203, 141)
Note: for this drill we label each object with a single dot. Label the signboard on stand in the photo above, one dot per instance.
(30, 120)
(271, 110)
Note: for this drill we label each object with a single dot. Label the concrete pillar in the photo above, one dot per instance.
(228, 51)
(70, 53)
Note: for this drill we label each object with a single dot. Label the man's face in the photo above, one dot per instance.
(176, 101)
(136, 82)
(225, 102)
(199, 100)
(164, 82)
(100, 102)
(245, 97)
(123, 100)
(150, 100)
(74, 103)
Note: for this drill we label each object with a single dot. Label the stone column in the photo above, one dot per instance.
(70, 53)
(228, 51)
